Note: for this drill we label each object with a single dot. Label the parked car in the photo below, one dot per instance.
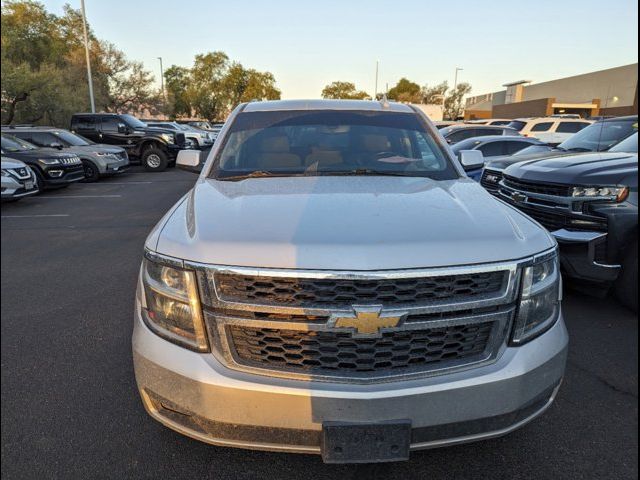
(552, 130)
(52, 168)
(598, 137)
(490, 121)
(456, 133)
(493, 146)
(18, 180)
(440, 124)
(156, 148)
(336, 279)
(98, 160)
(201, 138)
(589, 202)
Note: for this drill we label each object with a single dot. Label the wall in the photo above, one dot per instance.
(533, 108)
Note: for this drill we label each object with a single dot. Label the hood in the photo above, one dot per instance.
(8, 162)
(101, 148)
(502, 162)
(157, 130)
(345, 223)
(580, 169)
(39, 153)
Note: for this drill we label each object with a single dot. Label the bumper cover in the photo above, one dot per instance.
(578, 256)
(194, 394)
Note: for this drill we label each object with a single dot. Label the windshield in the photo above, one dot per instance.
(600, 136)
(14, 144)
(132, 121)
(628, 145)
(69, 139)
(329, 142)
(517, 125)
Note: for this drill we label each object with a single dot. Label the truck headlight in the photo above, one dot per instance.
(619, 194)
(539, 301)
(173, 308)
(168, 137)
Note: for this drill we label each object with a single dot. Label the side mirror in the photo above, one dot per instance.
(189, 160)
(56, 145)
(471, 159)
(122, 128)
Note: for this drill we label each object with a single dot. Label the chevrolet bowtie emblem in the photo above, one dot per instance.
(518, 197)
(369, 320)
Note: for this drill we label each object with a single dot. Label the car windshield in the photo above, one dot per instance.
(517, 125)
(628, 145)
(69, 139)
(14, 144)
(600, 136)
(329, 142)
(132, 121)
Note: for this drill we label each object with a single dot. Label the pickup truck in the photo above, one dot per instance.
(335, 284)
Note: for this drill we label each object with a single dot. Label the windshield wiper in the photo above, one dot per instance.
(371, 172)
(256, 174)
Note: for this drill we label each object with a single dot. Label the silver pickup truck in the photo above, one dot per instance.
(334, 284)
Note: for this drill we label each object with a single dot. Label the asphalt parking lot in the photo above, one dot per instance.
(70, 408)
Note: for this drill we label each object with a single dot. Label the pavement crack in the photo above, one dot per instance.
(604, 381)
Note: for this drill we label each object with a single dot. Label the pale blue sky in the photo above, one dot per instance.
(308, 44)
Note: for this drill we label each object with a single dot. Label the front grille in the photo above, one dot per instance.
(344, 293)
(70, 161)
(491, 186)
(331, 352)
(540, 188)
(553, 221)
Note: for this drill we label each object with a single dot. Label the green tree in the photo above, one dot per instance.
(405, 91)
(453, 107)
(176, 80)
(434, 95)
(343, 90)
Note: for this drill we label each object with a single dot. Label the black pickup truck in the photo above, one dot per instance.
(156, 148)
(589, 203)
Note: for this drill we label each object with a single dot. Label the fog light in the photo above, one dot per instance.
(55, 173)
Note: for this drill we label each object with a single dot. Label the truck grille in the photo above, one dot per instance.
(540, 188)
(327, 352)
(70, 161)
(313, 292)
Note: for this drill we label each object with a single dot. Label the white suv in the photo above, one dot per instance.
(551, 130)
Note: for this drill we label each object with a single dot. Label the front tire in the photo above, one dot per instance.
(627, 283)
(91, 173)
(154, 159)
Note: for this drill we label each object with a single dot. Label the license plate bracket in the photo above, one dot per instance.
(344, 442)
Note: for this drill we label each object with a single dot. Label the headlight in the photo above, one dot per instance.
(168, 137)
(103, 154)
(618, 193)
(5, 173)
(49, 161)
(540, 300)
(173, 308)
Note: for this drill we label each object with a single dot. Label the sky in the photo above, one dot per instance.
(309, 44)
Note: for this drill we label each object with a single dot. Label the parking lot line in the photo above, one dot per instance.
(35, 216)
(77, 196)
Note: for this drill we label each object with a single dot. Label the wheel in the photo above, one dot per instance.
(154, 159)
(91, 173)
(627, 283)
(39, 180)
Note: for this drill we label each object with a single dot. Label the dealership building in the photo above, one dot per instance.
(606, 92)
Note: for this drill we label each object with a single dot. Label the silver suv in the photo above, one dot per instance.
(335, 284)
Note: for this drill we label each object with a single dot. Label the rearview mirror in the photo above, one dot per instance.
(189, 160)
(471, 159)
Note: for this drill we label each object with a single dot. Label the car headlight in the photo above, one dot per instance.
(168, 137)
(541, 293)
(619, 194)
(103, 154)
(49, 161)
(172, 305)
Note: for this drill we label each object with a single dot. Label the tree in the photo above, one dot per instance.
(343, 90)
(176, 80)
(434, 95)
(405, 91)
(453, 102)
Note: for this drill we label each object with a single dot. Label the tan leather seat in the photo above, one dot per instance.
(374, 143)
(323, 158)
(275, 155)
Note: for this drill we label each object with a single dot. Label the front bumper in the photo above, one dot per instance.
(68, 175)
(578, 256)
(14, 188)
(111, 166)
(194, 394)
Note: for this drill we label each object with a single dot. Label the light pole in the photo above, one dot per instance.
(455, 81)
(164, 95)
(375, 93)
(86, 49)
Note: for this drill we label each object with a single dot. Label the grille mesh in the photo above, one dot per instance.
(331, 352)
(541, 188)
(492, 187)
(305, 292)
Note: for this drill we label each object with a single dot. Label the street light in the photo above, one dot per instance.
(455, 81)
(86, 49)
(375, 93)
(164, 95)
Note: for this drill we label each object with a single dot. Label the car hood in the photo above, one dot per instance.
(38, 153)
(345, 223)
(580, 169)
(502, 162)
(8, 162)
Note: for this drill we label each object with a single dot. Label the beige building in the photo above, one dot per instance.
(606, 92)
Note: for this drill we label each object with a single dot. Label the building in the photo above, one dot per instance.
(606, 92)
(434, 112)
